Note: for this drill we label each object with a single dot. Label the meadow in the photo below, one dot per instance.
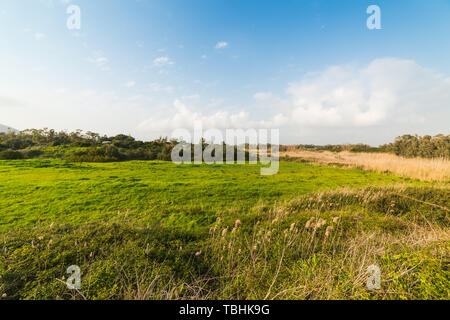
(48, 191)
(155, 230)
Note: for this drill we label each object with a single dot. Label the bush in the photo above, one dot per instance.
(10, 155)
(100, 154)
(30, 154)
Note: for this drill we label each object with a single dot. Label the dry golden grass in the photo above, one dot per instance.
(418, 168)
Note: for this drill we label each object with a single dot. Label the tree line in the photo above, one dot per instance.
(408, 146)
(88, 147)
(92, 147)
(79, 146)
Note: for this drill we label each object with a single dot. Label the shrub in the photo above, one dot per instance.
(100, 154)
(34, 153)
(10, 155)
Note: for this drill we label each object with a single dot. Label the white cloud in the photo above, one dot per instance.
(61, 90)
(39, 36)
(7, 102)
(162, 61)
(99, 60)
(194, 96)
(370, 104)
(66, 109)
(262, 96)
(384, 91)
(221, 45)
(156, 87)
(129, 84)
(180, 116)
(215, 102)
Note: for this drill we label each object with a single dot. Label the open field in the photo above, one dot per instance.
(189, 195)
(418, 168)
(154, 230)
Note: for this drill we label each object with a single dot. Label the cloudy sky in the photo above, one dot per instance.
(147, 67)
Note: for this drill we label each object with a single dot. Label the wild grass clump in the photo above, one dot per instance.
(118, 260)
(430, 203)
(325, 255)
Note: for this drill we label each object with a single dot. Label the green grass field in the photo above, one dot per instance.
(127, 224)
(187, 195)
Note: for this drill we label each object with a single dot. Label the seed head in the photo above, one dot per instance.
(321, 223)
(328, 231)
(224, 232)
(309, 223)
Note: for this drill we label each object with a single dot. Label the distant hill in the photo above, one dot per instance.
(4, 128)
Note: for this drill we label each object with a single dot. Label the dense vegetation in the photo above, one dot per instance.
(91, 147)
(406, 146)
(88, 147)
(415, 146)
(154, 230)
(76, 146)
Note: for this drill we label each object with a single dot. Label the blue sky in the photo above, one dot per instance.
(311, 68)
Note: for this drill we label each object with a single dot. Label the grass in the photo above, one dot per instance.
(299, 251)
(34, 191)
(417, 168)
(154, 230)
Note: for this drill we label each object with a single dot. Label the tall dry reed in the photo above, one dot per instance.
(417, 168)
